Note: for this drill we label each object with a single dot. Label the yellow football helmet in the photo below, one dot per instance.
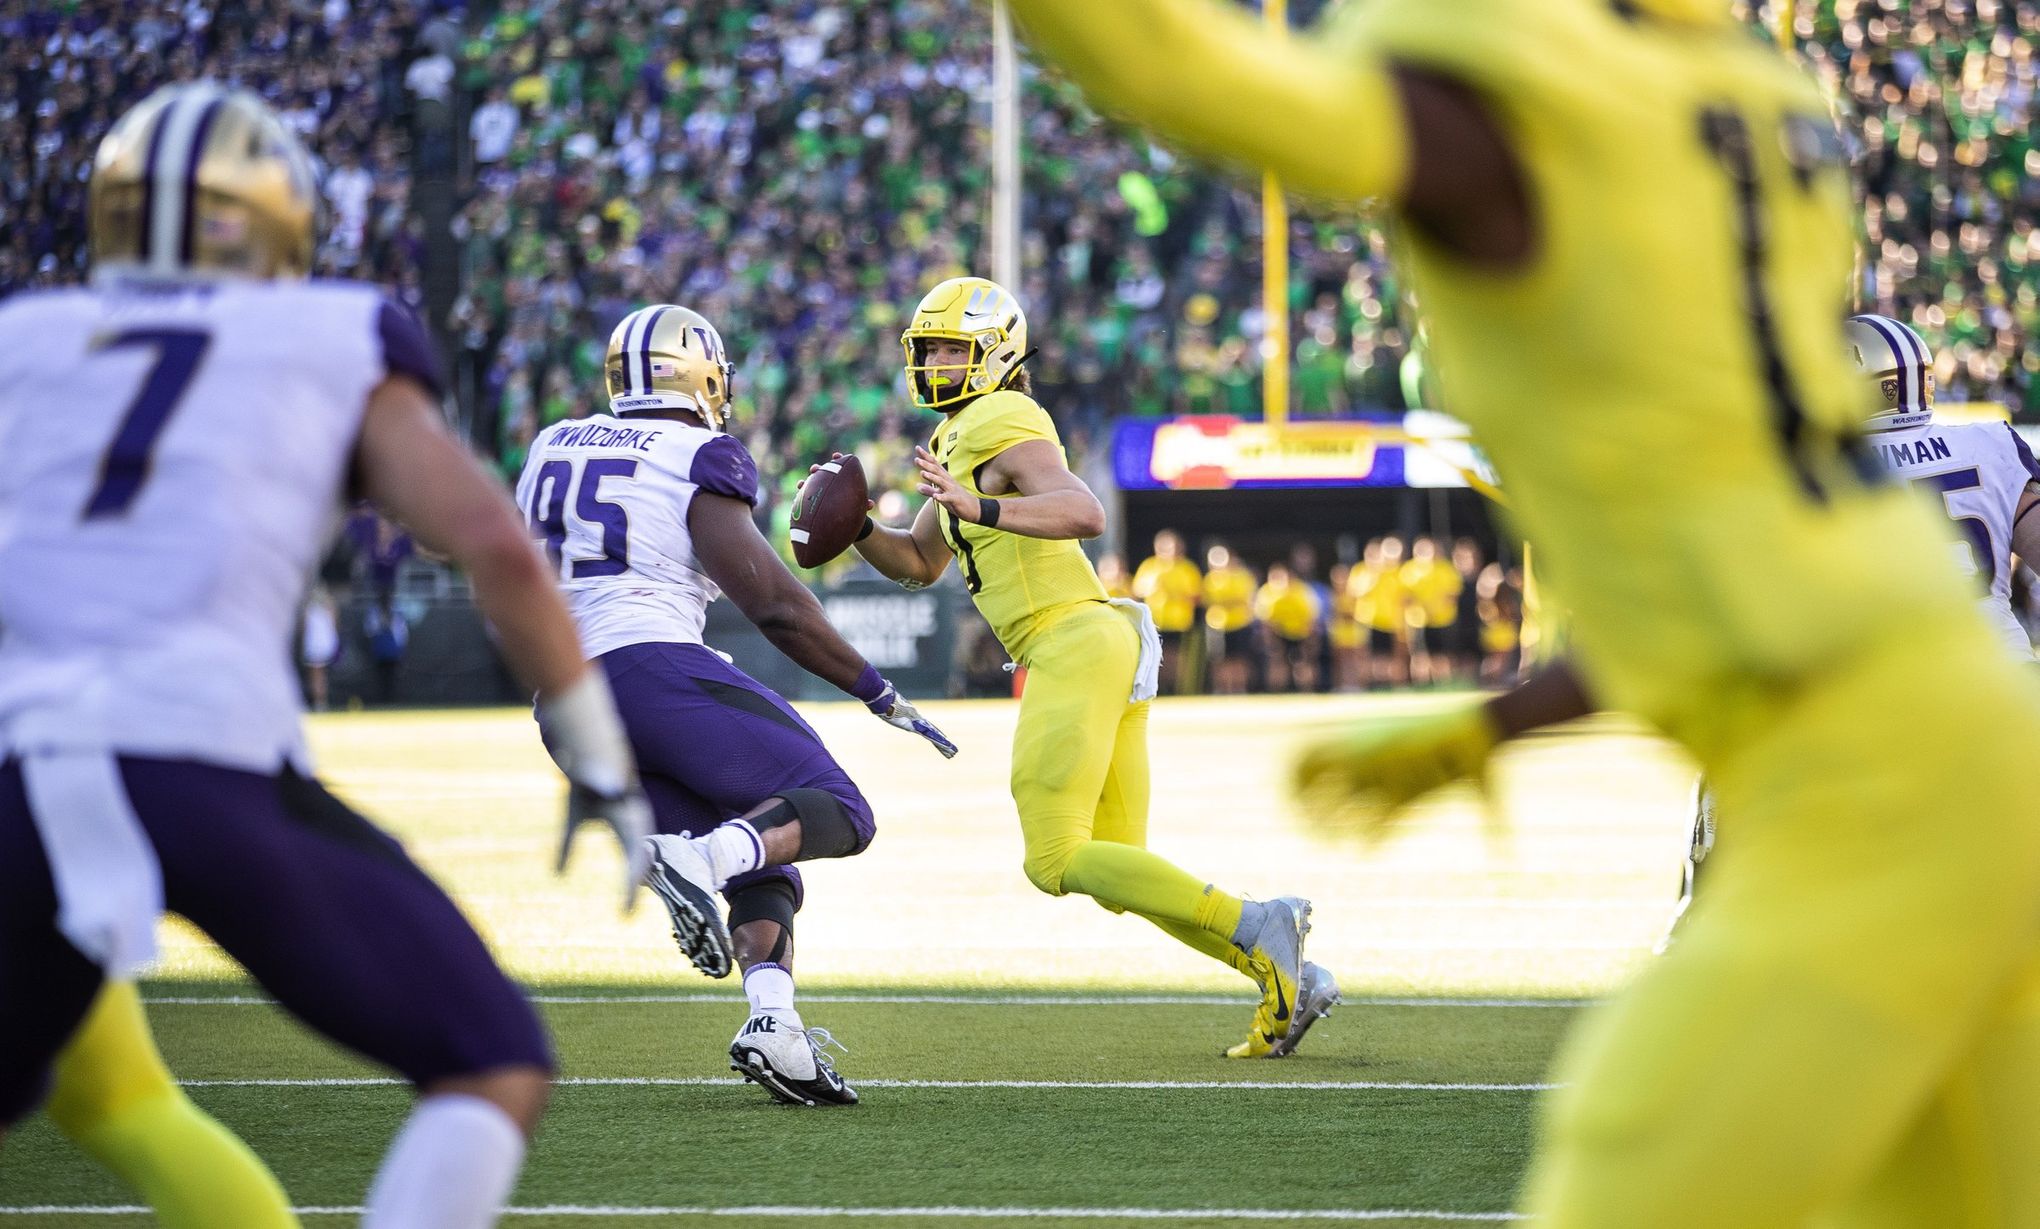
(200, 178)
(669, 358)
(974, 310)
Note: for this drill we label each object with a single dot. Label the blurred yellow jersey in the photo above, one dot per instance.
(1020, 584)
(1170, 589)
(1660, 382)
(1681, 444)
(1288, 607)
(1228, 598)
(1379, 597)
(1433, 586)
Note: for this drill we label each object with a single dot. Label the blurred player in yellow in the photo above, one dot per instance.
(1228, 620)
(1288, 611)
(114, 1098)
(1381, 604)
(1432, 584)
(1170, 585)
(1003, 502)
(1629, 224)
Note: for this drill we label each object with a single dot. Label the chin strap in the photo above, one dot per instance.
(1017, 365)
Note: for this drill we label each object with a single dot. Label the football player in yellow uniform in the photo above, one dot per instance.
(1629, 224)
(114, 1098)
(1003, 502)
(1228, 620)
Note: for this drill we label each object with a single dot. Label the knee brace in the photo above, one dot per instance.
(766, 900)
(828, 827)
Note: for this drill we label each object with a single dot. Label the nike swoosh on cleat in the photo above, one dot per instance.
(1281, 1001)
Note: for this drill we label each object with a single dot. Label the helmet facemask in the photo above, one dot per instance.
(935, 386)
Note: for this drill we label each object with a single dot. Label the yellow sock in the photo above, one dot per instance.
(1152, 886)
(115, 1099)
(1221, 950)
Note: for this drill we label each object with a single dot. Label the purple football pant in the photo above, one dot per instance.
(712, 743)
(322, 907)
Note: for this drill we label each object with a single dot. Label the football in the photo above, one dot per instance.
(829, 511)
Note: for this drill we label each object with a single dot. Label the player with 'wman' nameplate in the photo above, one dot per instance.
(175, 445)
(646, 511)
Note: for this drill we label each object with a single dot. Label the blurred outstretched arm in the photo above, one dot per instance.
(1363, 778)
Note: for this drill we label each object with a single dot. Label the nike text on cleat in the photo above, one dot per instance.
(786, 1060)
(680, 876)
(1317, 992)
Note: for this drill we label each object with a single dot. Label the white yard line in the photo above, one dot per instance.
(825, 1213)
(956, 1000)
(642, 1081)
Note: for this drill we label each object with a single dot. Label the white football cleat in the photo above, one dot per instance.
(786, 1060)
(681, 877)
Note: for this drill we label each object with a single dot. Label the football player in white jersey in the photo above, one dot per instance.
(646, 511)
(1983, 474)
(175, 443)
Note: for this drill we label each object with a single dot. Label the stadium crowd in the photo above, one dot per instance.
(801, 171)
(773, 168)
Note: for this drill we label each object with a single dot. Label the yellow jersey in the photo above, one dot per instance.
(1170, 590)
(1289, 608)
(1020, 584)
(1433, 586)
(1660, 383)
(1380, 600)
(1228, 598)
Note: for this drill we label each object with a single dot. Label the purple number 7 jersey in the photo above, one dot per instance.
(609, 498)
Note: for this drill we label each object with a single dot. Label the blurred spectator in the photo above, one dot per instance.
(380, 548)
(1500, 593)
(493, 127)
(1432, 585)
(1112, 575)
(1346, 636)
(1289, 611)
(1171, 586)
(1380, 604)
(1303, 564)
(318, 645)
(1463, 644)
(1228, 621)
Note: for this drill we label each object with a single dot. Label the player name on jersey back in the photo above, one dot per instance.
(1976, 472)
(172, 458)
(609, 499)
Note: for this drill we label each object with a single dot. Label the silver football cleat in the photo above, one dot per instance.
(681, 877)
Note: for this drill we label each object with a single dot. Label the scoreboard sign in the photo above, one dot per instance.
(1223, 453)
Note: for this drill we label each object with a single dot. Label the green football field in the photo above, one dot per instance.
(1021, 1058)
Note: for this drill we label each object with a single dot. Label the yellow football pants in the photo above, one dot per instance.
(1080, 781)
(1847, 1032)
(115, 1099)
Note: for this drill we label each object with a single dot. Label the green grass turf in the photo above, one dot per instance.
(1561, 908)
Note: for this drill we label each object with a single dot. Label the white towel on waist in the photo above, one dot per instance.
(1147, 674)
(109, 883)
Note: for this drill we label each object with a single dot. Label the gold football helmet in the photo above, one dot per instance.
(199, 178)
(969, 309)
(1890, 356)
(669, 358)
